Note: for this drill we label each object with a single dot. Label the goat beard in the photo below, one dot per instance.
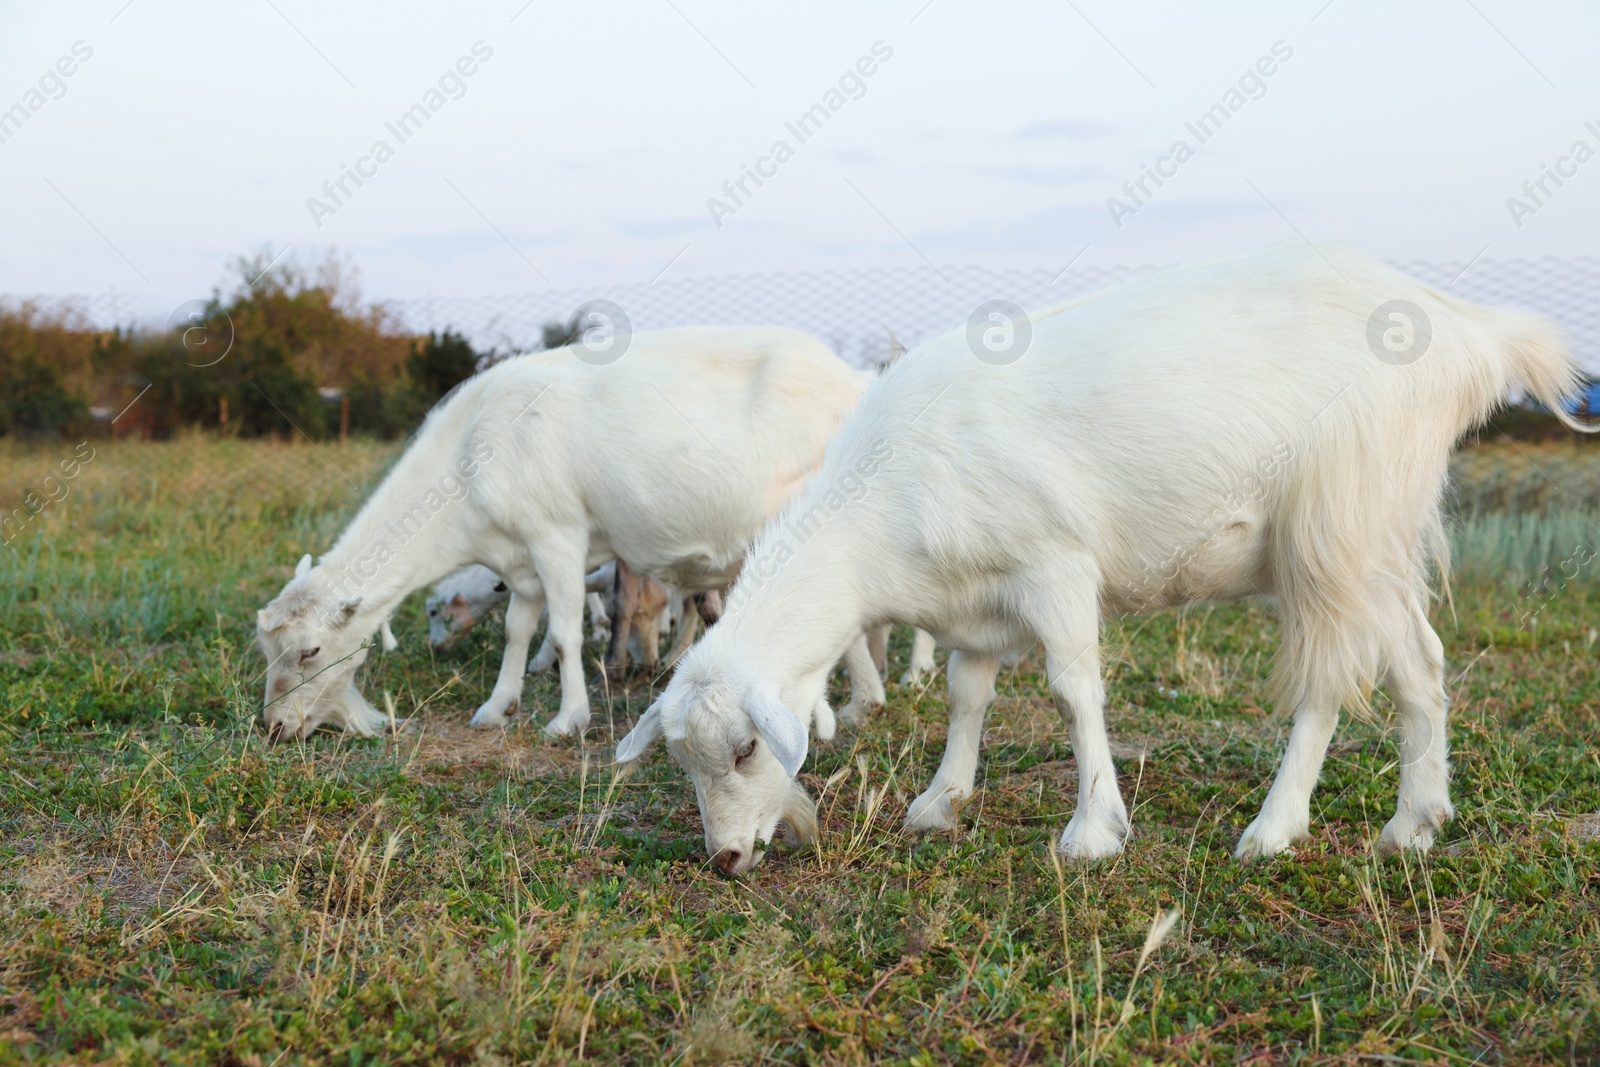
(799, 817)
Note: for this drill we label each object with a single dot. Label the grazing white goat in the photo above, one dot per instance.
(1257, 425)
(710, 431)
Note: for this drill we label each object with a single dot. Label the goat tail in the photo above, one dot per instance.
(1535, 355)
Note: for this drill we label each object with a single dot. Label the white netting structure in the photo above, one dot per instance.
(854, 310)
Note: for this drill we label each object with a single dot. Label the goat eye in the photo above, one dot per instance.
(308, 653)
(744, 753)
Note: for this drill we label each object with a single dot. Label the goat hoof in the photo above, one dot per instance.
(1262, 840)
(932, 811)
(1407, 832)
(1094, 838)
(488, 715)
(853, 714)
(565, 725)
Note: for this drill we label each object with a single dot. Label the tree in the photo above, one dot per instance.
(440, 363)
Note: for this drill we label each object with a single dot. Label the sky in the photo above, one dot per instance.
(591, 143)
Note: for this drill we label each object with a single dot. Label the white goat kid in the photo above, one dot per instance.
(461, 598)
(1295, 458)
(722, 426)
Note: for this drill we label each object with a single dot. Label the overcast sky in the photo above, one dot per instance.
(587, 141)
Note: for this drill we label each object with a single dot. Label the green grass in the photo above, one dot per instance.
(173, 889)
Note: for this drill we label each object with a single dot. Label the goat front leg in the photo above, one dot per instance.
(522, 618)
(1064, 611)
(1100, 825)
(971, 691)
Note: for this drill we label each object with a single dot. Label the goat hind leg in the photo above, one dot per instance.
(866, 687)
(1415, 679)
(624, 601)
(971, 691)
(562, 575)
(688, 619)
(522, 618)
(921, 658)
(1286, 813)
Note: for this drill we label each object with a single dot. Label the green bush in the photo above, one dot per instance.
(35, 402)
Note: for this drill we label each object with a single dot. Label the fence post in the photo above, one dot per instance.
(344, 418)
(222, 413)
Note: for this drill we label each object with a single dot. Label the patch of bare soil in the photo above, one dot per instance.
(440, 748)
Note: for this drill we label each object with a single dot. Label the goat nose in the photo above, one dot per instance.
(727, 860)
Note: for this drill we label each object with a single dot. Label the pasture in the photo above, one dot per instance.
(175, 889)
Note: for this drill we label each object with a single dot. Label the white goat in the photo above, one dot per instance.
(1270, 424)
(722, 426)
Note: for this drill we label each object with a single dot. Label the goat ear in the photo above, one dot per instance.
(269, 618)
(302, 568)
(645, 733)
(782, 729)
(389, 643)
(896, 349)
(347, 608)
